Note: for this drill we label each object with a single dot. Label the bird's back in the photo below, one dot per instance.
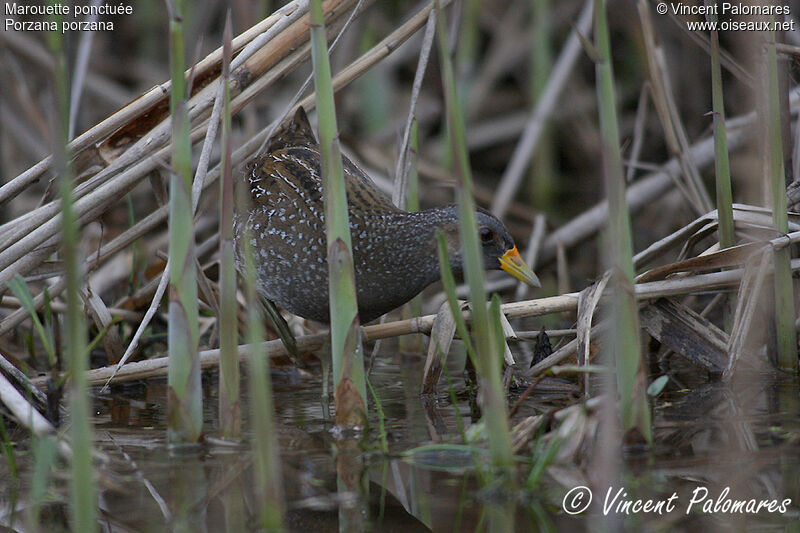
(287, 223)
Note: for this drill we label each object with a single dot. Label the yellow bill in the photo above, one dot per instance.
(513, 263)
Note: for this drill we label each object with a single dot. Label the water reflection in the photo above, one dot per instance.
(742, 436)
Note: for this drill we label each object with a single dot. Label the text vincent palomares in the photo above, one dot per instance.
(727, 8)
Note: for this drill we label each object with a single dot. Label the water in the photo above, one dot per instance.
(708, 437)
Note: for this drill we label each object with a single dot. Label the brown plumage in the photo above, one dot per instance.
(394, 251)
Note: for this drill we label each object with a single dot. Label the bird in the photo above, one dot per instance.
(394, 251)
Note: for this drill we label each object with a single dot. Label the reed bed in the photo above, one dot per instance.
(665, 238)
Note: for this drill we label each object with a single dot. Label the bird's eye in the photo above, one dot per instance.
(487, 235)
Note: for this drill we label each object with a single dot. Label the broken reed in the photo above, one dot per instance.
(488, 357)
(184, 395)
(784, 291)
(622, 344)
(346, 347)
(83, 493)
(230, 416)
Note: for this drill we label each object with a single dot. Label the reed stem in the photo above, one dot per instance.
(184, 395)
(784, 290)
(623, 342)
(83, 493)
(230, 416)
(346, 348)
(721, 163)
(487, 361)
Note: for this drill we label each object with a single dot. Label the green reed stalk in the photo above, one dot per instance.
(412, 343)
(542, 173)
(266, 457)
(449, 288)
(384, 441)
(7, 446)
(412, 202)
(727, 237)
(20, 290)
(623, 341)
(230, 415)
(233, 498)
(346, 348)
(721, 163)
(184, 394)
(83, 501)
(374, 89)
(488, 358)
(468, 43)
(45, 460)
(784, 291)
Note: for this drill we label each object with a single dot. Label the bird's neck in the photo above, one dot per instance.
(412, 239)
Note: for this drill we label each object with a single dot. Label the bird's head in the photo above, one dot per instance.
(497, 246)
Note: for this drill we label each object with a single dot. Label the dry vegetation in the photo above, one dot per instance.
(528, 89)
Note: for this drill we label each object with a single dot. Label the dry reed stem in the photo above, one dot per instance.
(532, 253)
(526, 147)
(352, 72)
(36, 54)
(42, 223)
(648, 189)
(58, 307)
(638, 132)
(587, 304)
(137, 107)
(529, 308)
(674, 131)
(22, 381)
(26, 414)
(400, 189)
(755, 274)
(442, 332)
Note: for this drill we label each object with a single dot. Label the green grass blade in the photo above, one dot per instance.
(488, 361)
(20, 290)
(449, 288)
(623, 342)
(83, 494)
(230, 417)
(784, 290)
(269, 484)
(185, 401)
(346, 348)
(721, 162)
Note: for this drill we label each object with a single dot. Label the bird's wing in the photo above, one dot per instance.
(362, 193)
(294, 174)
(290, 171)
